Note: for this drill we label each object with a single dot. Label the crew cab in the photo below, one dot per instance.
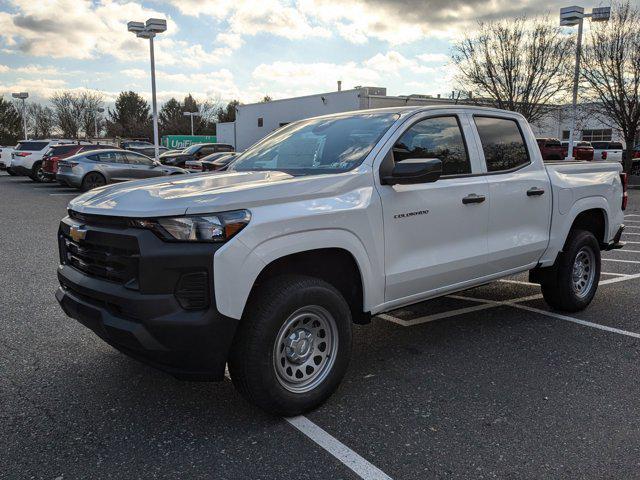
(324, 223)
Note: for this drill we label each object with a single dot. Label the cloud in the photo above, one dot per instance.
(83, 29)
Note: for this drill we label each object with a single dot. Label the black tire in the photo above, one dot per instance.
(253, 357)
(559, 289)
(36, 173)
(11, 172)
(92, 180)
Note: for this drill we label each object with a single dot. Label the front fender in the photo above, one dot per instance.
(236, 267)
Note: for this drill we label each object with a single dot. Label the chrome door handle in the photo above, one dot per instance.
(535, 192)
(473, 198)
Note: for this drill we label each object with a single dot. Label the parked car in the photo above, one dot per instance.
(581, 150)
(93, 169)
(611, 151)
(210, 163)
(194, 152)
(5, 159)
(149, 151)
(550, 148)
(60, 152)
(26, 158)
(133, 143)
(322, 224)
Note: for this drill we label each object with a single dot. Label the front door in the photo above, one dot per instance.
(435, 233)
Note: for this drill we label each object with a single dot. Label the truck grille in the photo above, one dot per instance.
(104, 261)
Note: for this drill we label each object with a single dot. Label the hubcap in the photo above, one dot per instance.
(305, 349)
(584, 272)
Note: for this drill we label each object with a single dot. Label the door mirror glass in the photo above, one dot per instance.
(412, 171)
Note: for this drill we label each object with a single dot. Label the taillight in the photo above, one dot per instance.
(604, 155)
(23, 154)
(636, 154)
(625, 195)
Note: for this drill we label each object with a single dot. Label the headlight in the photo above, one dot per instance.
(218, 227)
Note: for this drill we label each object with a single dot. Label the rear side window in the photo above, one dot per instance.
(134, 159)
(615, 146)
(502, 142)
(440, 138)
(64, 149)
(107, 157)
(31, 146)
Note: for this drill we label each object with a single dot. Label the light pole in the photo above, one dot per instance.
(569, 17)
(149, 30)
(191, 114)
(95, 119)
(23, 96)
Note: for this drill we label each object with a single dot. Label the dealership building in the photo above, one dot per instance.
(255, 121)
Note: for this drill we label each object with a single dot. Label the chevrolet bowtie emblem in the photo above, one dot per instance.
(78, 232)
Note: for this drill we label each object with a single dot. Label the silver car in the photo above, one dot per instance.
(96, 168)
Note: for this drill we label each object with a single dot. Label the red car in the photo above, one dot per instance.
(550, 148)
(581, 150)
(58, 152)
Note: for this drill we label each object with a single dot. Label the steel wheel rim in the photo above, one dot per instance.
(305, 349)
(583, 273)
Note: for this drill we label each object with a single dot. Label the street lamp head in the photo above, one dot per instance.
(570, 16)
(145, 34)
(135, 27)
(21, 95)
(601, 14)
(156, 25)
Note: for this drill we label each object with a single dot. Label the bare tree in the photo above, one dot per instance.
(75, 112)
(611, 72)
(522, 65)
(40, 120)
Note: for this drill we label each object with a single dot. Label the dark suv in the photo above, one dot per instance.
(194, 152)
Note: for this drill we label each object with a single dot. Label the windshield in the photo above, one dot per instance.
(320, 145)
(192, 149)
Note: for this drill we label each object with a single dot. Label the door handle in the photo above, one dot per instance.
(535, 192)
(473, 198)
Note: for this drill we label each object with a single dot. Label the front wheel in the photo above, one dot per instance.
(577, 273)
(293, 345)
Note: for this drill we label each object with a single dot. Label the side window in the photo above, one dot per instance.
(439, 137)
(107, 157)
(502, 142)
(204, 151)
(135, 159)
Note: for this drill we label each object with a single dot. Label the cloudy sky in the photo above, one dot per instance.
(241, 49)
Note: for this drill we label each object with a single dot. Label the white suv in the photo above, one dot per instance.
(26, 158)
(609, 151)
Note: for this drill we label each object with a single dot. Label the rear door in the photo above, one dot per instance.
(435, 233)
(519, 194)
(113, 165)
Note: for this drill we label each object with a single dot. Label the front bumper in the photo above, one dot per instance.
(144, 317)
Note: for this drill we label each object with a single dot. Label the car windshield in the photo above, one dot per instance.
(319, 145)
(192, 149)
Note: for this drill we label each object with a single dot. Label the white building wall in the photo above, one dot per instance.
(226, 133)
(276, 113)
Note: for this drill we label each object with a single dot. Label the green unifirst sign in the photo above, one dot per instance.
(184, 141)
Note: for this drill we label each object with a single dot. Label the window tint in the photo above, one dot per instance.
(107, 157)
(615, 146)
(600, 145)
(31, 146)
(503, 144)
(135, 159)
(206, 151)
(63, 149)
(439, 138)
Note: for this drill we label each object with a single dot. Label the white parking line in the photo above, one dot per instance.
(632, 243)
(433, 317)
(629, 233)
(631, 221)
(348, 457)
(632, 226)
(576, 320)
(361, 467)
(631, 215)
(625, 250)
(622, 261)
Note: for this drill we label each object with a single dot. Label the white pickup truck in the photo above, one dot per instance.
(326, 222)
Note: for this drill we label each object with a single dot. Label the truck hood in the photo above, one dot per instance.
(205, 193)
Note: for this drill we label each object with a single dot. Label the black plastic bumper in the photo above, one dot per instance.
(145, 318)
(21, 171)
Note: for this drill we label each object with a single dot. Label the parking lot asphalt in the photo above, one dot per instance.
(487, 383)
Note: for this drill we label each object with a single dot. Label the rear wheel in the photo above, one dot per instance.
(93, 180)
(11, 172)
(574, 281)
(37, 175)
(293, 345)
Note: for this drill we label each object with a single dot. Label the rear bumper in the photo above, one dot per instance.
(20, 170)
(48, 175)
(145, 319)
(70, 180)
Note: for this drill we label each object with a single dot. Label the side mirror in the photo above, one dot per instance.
(413, 171)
